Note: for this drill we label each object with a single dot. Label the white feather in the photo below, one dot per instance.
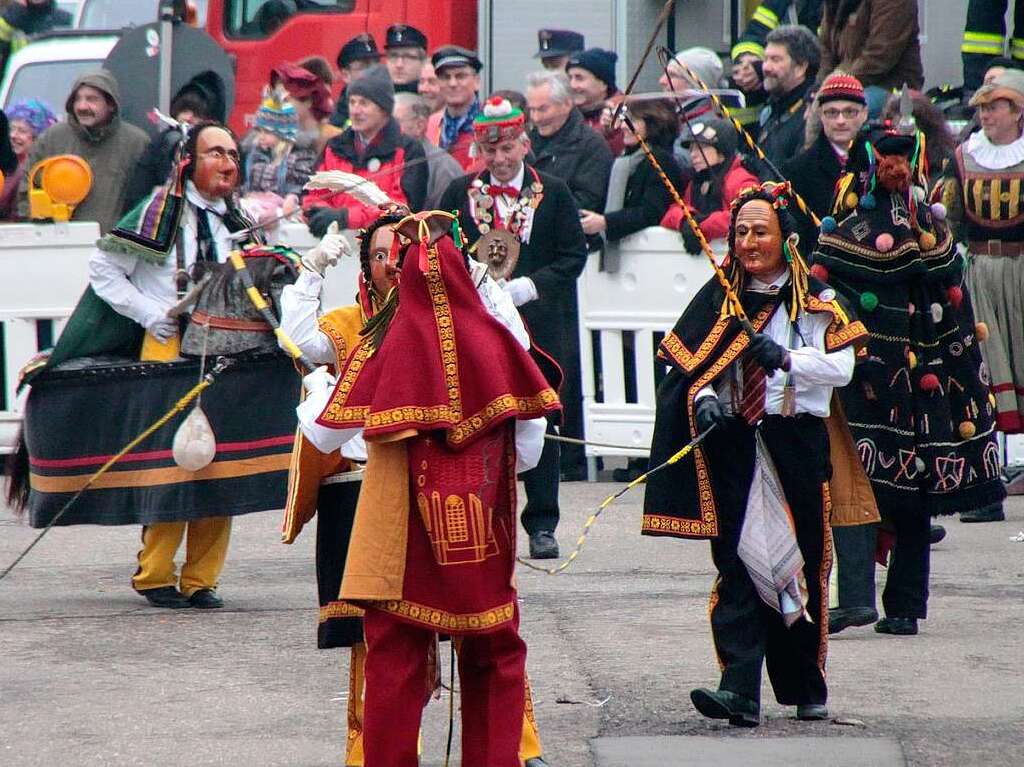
(362, 189)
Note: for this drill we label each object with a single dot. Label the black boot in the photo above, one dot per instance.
(897, 626)
(722, 704)
(841, 618)
(166, 596)
(991, 513)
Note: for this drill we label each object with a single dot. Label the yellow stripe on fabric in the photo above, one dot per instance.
(765, 16)
(1017, 47)
(746, 46)
(242, 467)
(1014, 197)
(983, 37)
(994, 205)
(985, 49)
(7, 32)
(979, 202)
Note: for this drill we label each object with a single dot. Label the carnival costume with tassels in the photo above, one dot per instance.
(919, 406)
(758, 485)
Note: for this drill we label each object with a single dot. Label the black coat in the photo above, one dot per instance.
(647, 198)
(813, 173)
(782, 125)
(579, 156)
(553, 258)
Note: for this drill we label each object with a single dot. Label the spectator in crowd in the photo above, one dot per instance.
(355, 57)
(458, 71)
(95, 132)
(564, 147)
(515, 98)
(840, 109)
(320, 67)
(274, 169)
(791, 59)
(27, 119)
(719, 177)
(28, 17)
(876, 42)
(189, 106)
(371, 147)
(555, 46)
(637, 197)
(405, 52)
(747, 76)
(592, 80)
(311, 97)
(430, 89)
(412, 113)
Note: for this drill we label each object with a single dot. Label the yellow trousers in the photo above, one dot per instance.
(205, 551)
(529, 744)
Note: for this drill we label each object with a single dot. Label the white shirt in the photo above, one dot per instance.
(813, 373)
(504, 205)
(300, 305)
(143, 291)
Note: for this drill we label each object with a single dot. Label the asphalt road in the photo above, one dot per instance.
(89, 675)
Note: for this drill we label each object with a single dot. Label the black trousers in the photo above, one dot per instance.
(541, 483)
(855, 563)
(336, 511)
(987, 17)
(747, 632)
(906, 584)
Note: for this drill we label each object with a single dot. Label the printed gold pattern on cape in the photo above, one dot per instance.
(446, 621)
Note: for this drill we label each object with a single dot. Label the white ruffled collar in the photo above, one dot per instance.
(995, 156)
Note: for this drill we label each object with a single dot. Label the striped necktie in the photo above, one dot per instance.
(754, 384)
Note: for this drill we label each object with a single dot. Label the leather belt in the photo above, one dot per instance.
(995, 248)
(199, 317)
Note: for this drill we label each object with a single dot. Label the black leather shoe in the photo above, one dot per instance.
(206, 599)
(812, 712)
(936, 534)
(535, 762)
(543, 545)
(722, 704)
(897, 626)
(166, 596)
(840, 618)
(992, 513)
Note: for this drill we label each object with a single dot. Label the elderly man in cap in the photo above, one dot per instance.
(556, 46)
(405, 52)
(372, 147)
(458, 72)
(526, 224)
(355, 57)
(592, 79)
(984, 200)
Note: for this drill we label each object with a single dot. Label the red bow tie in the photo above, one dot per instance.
(510, 191)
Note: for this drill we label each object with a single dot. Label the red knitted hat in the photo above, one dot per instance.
(839, 86)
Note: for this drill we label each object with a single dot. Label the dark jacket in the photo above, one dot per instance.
(782, 125)
(19, 21)
(398, 169)
(553, 258)
(876, 43)
(154, 167)
(577, 155)
(647, 199)
(813, 173)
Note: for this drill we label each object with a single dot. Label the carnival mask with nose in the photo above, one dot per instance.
(758, 239)
(215, 172)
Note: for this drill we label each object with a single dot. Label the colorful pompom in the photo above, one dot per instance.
(938, 211)
(911, 360)
(956, 296)
(936, 310)
(868, 301)
(828, 225)
(927, 240)
(929, 382)
(919, 194)
(919, 465)
(884, 242)
(967, 429)
(868, 201)
(981, 331)
(850, 200)
(819, 271)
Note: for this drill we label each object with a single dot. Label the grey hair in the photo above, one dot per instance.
(415, 103)
(801, 44)
(556, 81)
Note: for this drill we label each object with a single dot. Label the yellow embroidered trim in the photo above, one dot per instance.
(840, 337)
(339, 610)
(445, 330)
(498, 408)
(446, 621)
(336, 412)
(655, 523)
(676, 349)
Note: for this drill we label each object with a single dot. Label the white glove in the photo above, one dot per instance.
(162, 328)
(522, 290)
(326, 253)
(318, 381)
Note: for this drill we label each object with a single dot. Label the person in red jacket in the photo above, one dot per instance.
(372, 147)
(719, 177)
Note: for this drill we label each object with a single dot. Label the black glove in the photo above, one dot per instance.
(709, 413)
(319, 219)
(690, 239)
(767, 353)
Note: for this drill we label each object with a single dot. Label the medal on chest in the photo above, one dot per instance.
(502, 237)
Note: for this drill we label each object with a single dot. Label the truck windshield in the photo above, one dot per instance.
(115, 14)
(261, 18)
(48, 81)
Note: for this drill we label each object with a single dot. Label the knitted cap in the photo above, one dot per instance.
(711, 131)
(498, 121)
(277, 116)
(599, 62)
(375, 85)
(840, 86)
(704, 62)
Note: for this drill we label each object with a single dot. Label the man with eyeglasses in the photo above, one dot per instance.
(842, 109)
(458, 71)
(405, 52)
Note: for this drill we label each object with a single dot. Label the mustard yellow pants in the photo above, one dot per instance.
(529, 745)
(206, 548)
